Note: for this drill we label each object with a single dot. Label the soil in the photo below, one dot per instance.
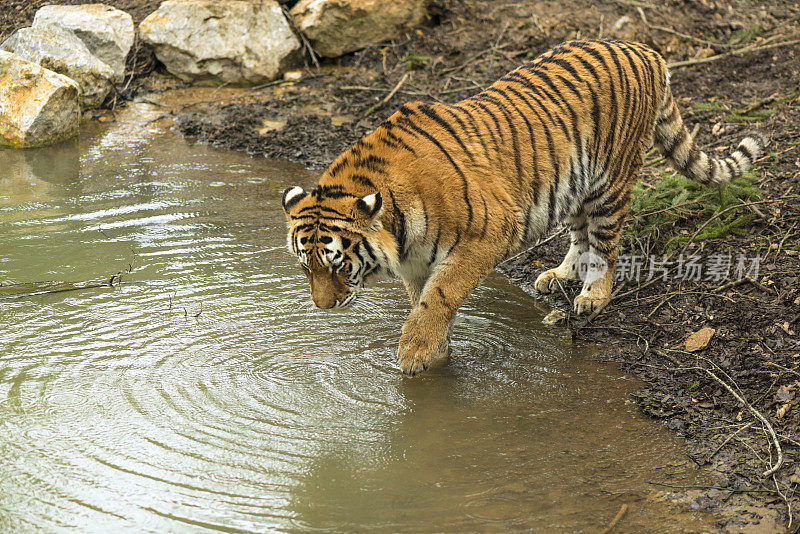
(465, 46)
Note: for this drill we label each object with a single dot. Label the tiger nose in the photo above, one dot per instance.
(324, 302)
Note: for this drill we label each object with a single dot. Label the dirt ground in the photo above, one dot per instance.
(743, 74)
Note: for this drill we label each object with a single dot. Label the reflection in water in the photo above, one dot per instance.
(220, 398)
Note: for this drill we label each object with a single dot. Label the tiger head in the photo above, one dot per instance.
(329, 232)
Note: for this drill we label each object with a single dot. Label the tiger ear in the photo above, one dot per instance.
(291, 196)
(370, 205)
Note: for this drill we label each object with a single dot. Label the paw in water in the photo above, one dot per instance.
(422, 344)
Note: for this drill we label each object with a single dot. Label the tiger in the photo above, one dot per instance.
(439, 194)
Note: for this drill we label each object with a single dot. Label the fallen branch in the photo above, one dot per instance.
(600, 308)
(307, 45)
(623, 509)
(690, 37)
(31, 289)
(745, 427)
(537, 244)
(745, 50)
(388, 97)
(760, 104)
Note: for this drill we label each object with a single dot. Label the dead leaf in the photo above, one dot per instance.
(785, 328)
(554, 317)
(700, 339)
(338, 120)
(271, 126)
(782, 411)
(795, 478)
(784, 393)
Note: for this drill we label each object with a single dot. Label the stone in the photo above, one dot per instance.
(106, 31)
(237, 42)
(336, 27)
(700, 339)
(62, 52)
(37, 106)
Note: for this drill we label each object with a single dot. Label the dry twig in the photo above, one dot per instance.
(388, 97)
(744, 50)
(622, 510)
(756, 413)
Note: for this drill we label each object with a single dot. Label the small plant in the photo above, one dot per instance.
(656, 208)
(413, 60)
(746, 35)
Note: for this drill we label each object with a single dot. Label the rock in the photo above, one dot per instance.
(107, 32)
(336, 27)
(60, 51)
(700, 339)
(37, 106)
(221, 41)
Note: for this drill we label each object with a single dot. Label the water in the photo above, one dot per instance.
(215, 397)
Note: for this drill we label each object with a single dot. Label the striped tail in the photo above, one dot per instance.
(678, 147)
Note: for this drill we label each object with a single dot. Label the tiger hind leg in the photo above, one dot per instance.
(604, 228)
(569, 268)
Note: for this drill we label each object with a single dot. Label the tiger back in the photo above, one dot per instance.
(439, 194)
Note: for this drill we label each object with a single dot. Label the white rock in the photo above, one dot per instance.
(107, 32)
(37, 106)
(336, 27)
(61, 51)
(214, 41)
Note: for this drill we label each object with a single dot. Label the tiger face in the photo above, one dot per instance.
(327, 234)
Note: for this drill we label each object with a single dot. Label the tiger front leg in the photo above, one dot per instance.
(423, 340)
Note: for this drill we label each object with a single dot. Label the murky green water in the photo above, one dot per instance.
(217, 397)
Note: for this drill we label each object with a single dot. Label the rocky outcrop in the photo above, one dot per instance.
(37, 106)
(61, 51)
(221, 41)
(336, 27)
(107, 32)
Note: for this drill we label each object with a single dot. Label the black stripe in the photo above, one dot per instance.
(362, 179)
(435, 249)
(399, 141)
(746, 151)
(551, 206)
(371, 162)
(485, 217)
(399, 227)
(548, 136)
(514, 135)
(472, 124)
(460, 173)
(429, 111)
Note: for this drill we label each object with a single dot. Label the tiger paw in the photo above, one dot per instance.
(421, 346)
(585, 305)
(547, 282)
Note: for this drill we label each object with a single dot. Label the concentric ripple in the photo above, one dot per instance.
(216, 397)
